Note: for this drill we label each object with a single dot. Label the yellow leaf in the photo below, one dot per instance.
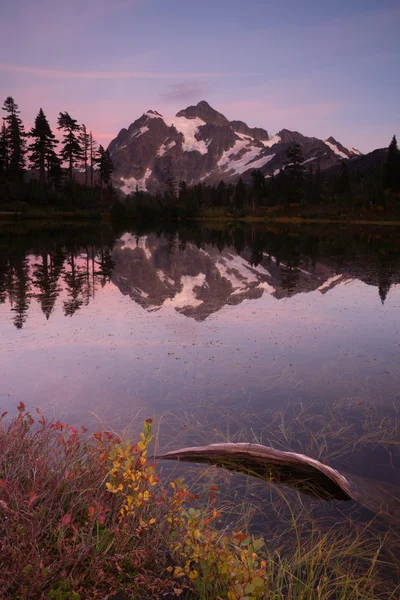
(193, 574)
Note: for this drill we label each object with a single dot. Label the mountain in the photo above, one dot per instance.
(200, 144)
(363, 164)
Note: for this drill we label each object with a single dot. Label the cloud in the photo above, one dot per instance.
(185, 92)
(57, 74)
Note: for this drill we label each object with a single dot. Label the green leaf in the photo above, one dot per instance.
(249, 589)
(258, 582)
(257, 544)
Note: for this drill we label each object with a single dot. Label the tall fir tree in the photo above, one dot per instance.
(106, 166)
(15, 139)
(71, 150)
(258, 187)
(43, 148)
(84, 140)
(392, 168)
(92, 156)
(295, 169)
(3, 151)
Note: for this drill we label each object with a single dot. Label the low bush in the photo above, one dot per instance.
(88, 517)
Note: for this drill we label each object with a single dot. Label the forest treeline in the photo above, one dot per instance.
(38, 171)
(299, 189)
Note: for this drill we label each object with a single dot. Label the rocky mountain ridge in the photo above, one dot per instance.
(200, 144)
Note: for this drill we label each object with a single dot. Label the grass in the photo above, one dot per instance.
(87, 517)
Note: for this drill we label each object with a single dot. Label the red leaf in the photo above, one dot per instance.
(84, 429)
(66, 519)
(21, 406)
(4, 414)
(39, 411)
(32, 497)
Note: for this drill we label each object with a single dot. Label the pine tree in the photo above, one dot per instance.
(84, 140)
(54, 170)
(15, 139)
(42, 149)
(92, 155)
(392, 169)
(170, 190)
(3, 151)
(106, 166)
(240, 194)
(71, 151)
(258, 188)
(295, 169)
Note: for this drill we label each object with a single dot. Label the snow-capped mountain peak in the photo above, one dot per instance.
(201, 144)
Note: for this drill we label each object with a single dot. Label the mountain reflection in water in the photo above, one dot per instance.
(196, 271)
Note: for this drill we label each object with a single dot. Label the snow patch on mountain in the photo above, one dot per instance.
(274, 140)
(153, 114)
(257, 164)
(309, 160)
(140, 131)
(241, 157)
(165, 147)
(336, 150)
(189, 129)
(164, 278)
(130, 184)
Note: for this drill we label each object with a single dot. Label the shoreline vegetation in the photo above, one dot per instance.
(97, 215)
(92, 516)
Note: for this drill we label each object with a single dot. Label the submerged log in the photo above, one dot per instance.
(298, 471)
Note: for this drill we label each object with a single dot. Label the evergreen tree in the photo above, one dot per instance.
(84, 140)
(54, 170)
(258, 188)
(183, 192)
(42, 149)
(170, 190)
(15, 139)
(392, 169)
(3, 151)
(71, 150)
(317, 186)
(240, 194)
(106, 166)
(342, 182)
(92, 156)
(295, 170)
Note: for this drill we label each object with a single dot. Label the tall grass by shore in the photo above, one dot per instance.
(89, 516)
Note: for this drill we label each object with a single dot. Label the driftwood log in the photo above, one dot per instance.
(298, 471)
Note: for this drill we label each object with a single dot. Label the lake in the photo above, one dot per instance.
(288, 335)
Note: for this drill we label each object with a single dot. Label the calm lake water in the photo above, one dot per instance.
(211, 328)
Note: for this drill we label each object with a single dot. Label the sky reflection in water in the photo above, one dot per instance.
(202, 321)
